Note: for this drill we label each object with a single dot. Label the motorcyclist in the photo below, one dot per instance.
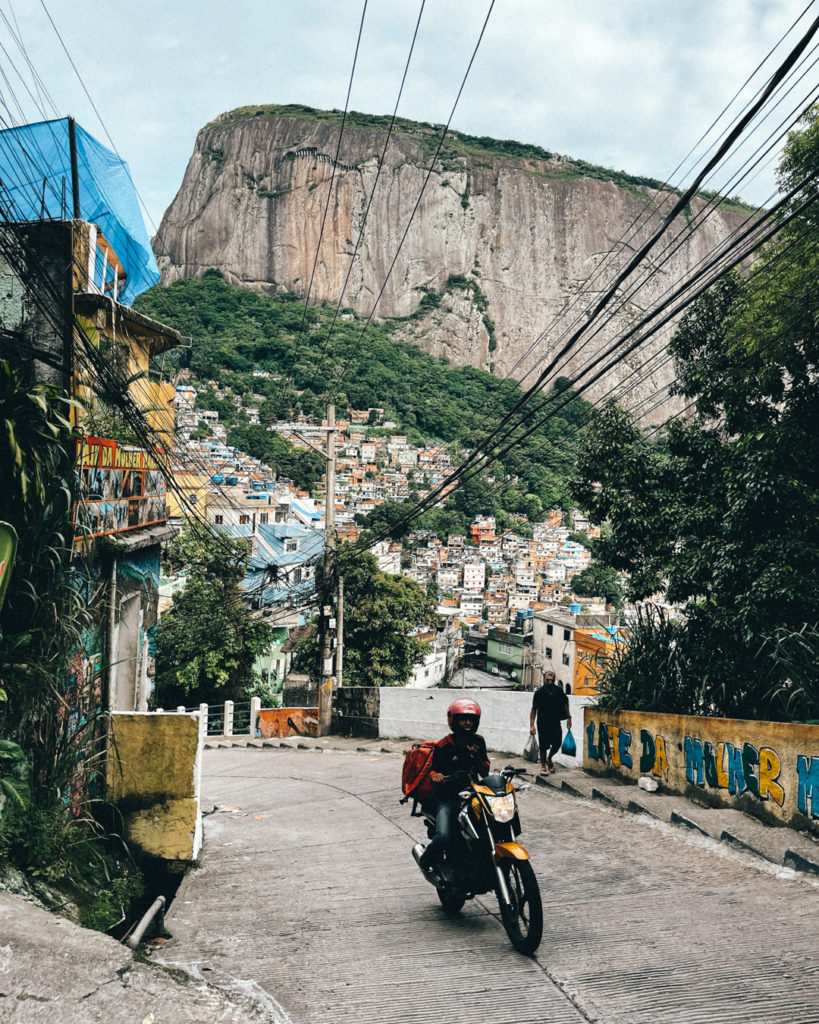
(461, 752)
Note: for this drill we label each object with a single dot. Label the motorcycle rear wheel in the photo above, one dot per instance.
(523, 918)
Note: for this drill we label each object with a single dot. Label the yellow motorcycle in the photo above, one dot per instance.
(484, 855)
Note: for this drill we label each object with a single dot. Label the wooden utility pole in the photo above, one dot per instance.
(325, 696)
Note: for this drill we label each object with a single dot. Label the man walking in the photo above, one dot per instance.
(550, 706)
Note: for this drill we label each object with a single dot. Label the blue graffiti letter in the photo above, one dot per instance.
(693, 761)
(591, 746)
(808, 784)
(623, 743)
(736, 775)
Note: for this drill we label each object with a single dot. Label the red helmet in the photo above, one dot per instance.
(462, 707)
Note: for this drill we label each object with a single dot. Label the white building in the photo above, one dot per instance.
(430, 672)
(474, 575)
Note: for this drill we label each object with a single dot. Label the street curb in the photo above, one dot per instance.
(636, 808)
(604, 798)
(793, 860)
(740, 844)
(680, 819)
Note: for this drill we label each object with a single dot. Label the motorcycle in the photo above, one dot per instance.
(484, 855)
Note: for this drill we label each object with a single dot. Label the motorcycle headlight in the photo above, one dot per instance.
(502, 807)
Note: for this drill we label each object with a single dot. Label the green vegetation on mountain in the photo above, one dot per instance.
(457, 147)
(235, 331)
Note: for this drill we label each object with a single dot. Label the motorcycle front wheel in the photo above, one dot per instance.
(523, 917)
(450, 901)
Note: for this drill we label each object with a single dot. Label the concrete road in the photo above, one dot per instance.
(308, 900)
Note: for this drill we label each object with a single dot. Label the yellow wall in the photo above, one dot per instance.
(590, 656)
(770, 769)
(188, 483)
(152, 770)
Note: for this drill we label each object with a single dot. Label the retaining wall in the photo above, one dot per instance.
(154, 772)
(356, 711)
(421, 714)
(769, 769)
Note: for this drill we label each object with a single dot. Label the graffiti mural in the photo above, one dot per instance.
(770, 766)
(287, 722)
(120, 489)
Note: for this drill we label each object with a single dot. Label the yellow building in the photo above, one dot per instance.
(593, 648)
(188, 496)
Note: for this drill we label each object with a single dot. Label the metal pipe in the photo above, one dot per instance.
(157, 907)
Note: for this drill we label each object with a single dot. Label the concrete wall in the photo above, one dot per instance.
(356, 711)
(421, 714)
(769, 769)
(154, 775)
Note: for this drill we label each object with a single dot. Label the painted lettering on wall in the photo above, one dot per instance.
(807, 771)
(737, 769)
(612, 744)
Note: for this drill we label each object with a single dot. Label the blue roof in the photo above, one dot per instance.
(304, 512)
(35, 162)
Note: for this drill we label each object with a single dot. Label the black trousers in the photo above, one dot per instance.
(549, 737)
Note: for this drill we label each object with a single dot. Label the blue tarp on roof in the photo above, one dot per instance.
(304, 512)
(35, 171)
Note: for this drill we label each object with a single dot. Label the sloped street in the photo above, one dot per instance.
(308, 900)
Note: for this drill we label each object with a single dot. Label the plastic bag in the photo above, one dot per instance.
(569, 747)
(531, 751)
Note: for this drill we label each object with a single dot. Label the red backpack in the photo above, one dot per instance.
(415, 780)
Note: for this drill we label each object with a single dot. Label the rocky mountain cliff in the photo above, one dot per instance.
(503, 239)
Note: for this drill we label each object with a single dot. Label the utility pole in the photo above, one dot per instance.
(340, 634)
(325, 696)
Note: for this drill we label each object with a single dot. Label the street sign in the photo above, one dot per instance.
(8, 551)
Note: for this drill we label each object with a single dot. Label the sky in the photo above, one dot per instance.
(628, 84)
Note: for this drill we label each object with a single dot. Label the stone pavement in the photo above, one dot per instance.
(784, 847)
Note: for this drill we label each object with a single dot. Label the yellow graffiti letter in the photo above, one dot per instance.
(769, 769)
(722, 775)
(660, 760)
(615, 749)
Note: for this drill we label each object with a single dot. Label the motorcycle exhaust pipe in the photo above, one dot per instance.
(417, 852)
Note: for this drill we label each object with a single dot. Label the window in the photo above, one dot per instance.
(565, 659)
(218, 520)
(244, 520)
(549, 652)
(297, 576)
(549, 628)
(505, 649)
(566, 634)
(263, 518)
(291, 544)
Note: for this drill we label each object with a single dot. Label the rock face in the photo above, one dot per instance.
(493, 267)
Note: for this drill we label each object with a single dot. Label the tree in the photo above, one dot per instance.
(208, 642)
(599, 581)
(722, 513)
(381, 612)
